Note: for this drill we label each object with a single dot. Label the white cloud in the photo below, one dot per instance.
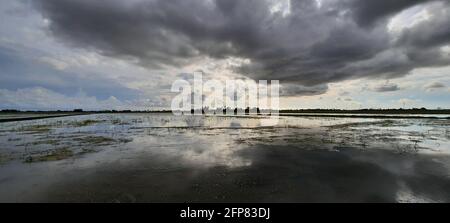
(409, 18)
(57, 64)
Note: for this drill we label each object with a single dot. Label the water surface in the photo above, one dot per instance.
(166, 158)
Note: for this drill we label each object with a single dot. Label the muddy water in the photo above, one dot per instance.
(163, 158)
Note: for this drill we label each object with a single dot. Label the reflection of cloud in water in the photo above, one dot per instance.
(406, 195)
(214, 149)
(212, 158)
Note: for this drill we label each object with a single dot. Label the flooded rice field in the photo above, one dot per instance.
(166, 158)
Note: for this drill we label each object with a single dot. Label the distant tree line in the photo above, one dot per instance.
(371, 111)
(248, 110)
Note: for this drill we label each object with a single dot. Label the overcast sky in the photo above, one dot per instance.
(115, 54)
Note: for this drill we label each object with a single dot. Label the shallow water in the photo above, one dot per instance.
(165, 158)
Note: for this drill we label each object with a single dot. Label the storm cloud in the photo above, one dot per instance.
(309, 43)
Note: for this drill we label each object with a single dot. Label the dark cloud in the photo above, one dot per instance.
(20, 69)
(294, 89)
(434, 85)
(310, 46)
(433, 33)
(367, 13)
(387, 87)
